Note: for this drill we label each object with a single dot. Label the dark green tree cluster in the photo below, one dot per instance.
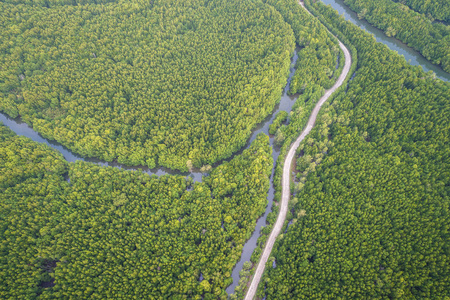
(318, 55)
(113, 234)
(436, 9)
(373, 220)
(280, 118)
(144, 82)
(432, 40)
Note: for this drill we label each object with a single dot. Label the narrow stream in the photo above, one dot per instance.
(414, 57)
(251, 244)
(411, 55)
(286, 103)
(22, 128)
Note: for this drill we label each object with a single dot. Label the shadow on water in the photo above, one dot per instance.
(411, 55)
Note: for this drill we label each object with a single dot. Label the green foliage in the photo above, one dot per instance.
(21, 160)
(310, 35)
(52, 3)
(110, 234)
(437, 9)
(373, 219)
(412, 28)
(144, 82)
(318, 53)
(280, 118)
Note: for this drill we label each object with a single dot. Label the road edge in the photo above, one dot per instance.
(251, 292)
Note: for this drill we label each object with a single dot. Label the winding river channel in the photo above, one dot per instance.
(411, 55)
(414, 58)
(286, 103)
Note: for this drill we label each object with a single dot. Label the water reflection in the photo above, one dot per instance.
(411, 55)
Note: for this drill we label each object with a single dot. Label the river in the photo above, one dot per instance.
(411, 55)
(286, 103)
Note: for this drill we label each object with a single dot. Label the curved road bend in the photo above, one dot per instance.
(286, 175)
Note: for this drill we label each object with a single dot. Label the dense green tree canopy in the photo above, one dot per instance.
(432, 40)
(109, 233)
(437, 9)
(144, 82)
(317, 58)
(52, 3)
(372, 219)
(278, 121)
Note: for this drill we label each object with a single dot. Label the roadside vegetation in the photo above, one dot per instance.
(317, 53)
(371, 217)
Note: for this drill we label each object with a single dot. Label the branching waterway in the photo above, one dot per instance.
(286, 103)
(414, 58)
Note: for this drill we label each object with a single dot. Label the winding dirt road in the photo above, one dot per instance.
(286, 174)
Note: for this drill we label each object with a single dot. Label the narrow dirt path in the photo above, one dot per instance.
(286, 174)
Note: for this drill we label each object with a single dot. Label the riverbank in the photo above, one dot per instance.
(412, 56)
(286, 175)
